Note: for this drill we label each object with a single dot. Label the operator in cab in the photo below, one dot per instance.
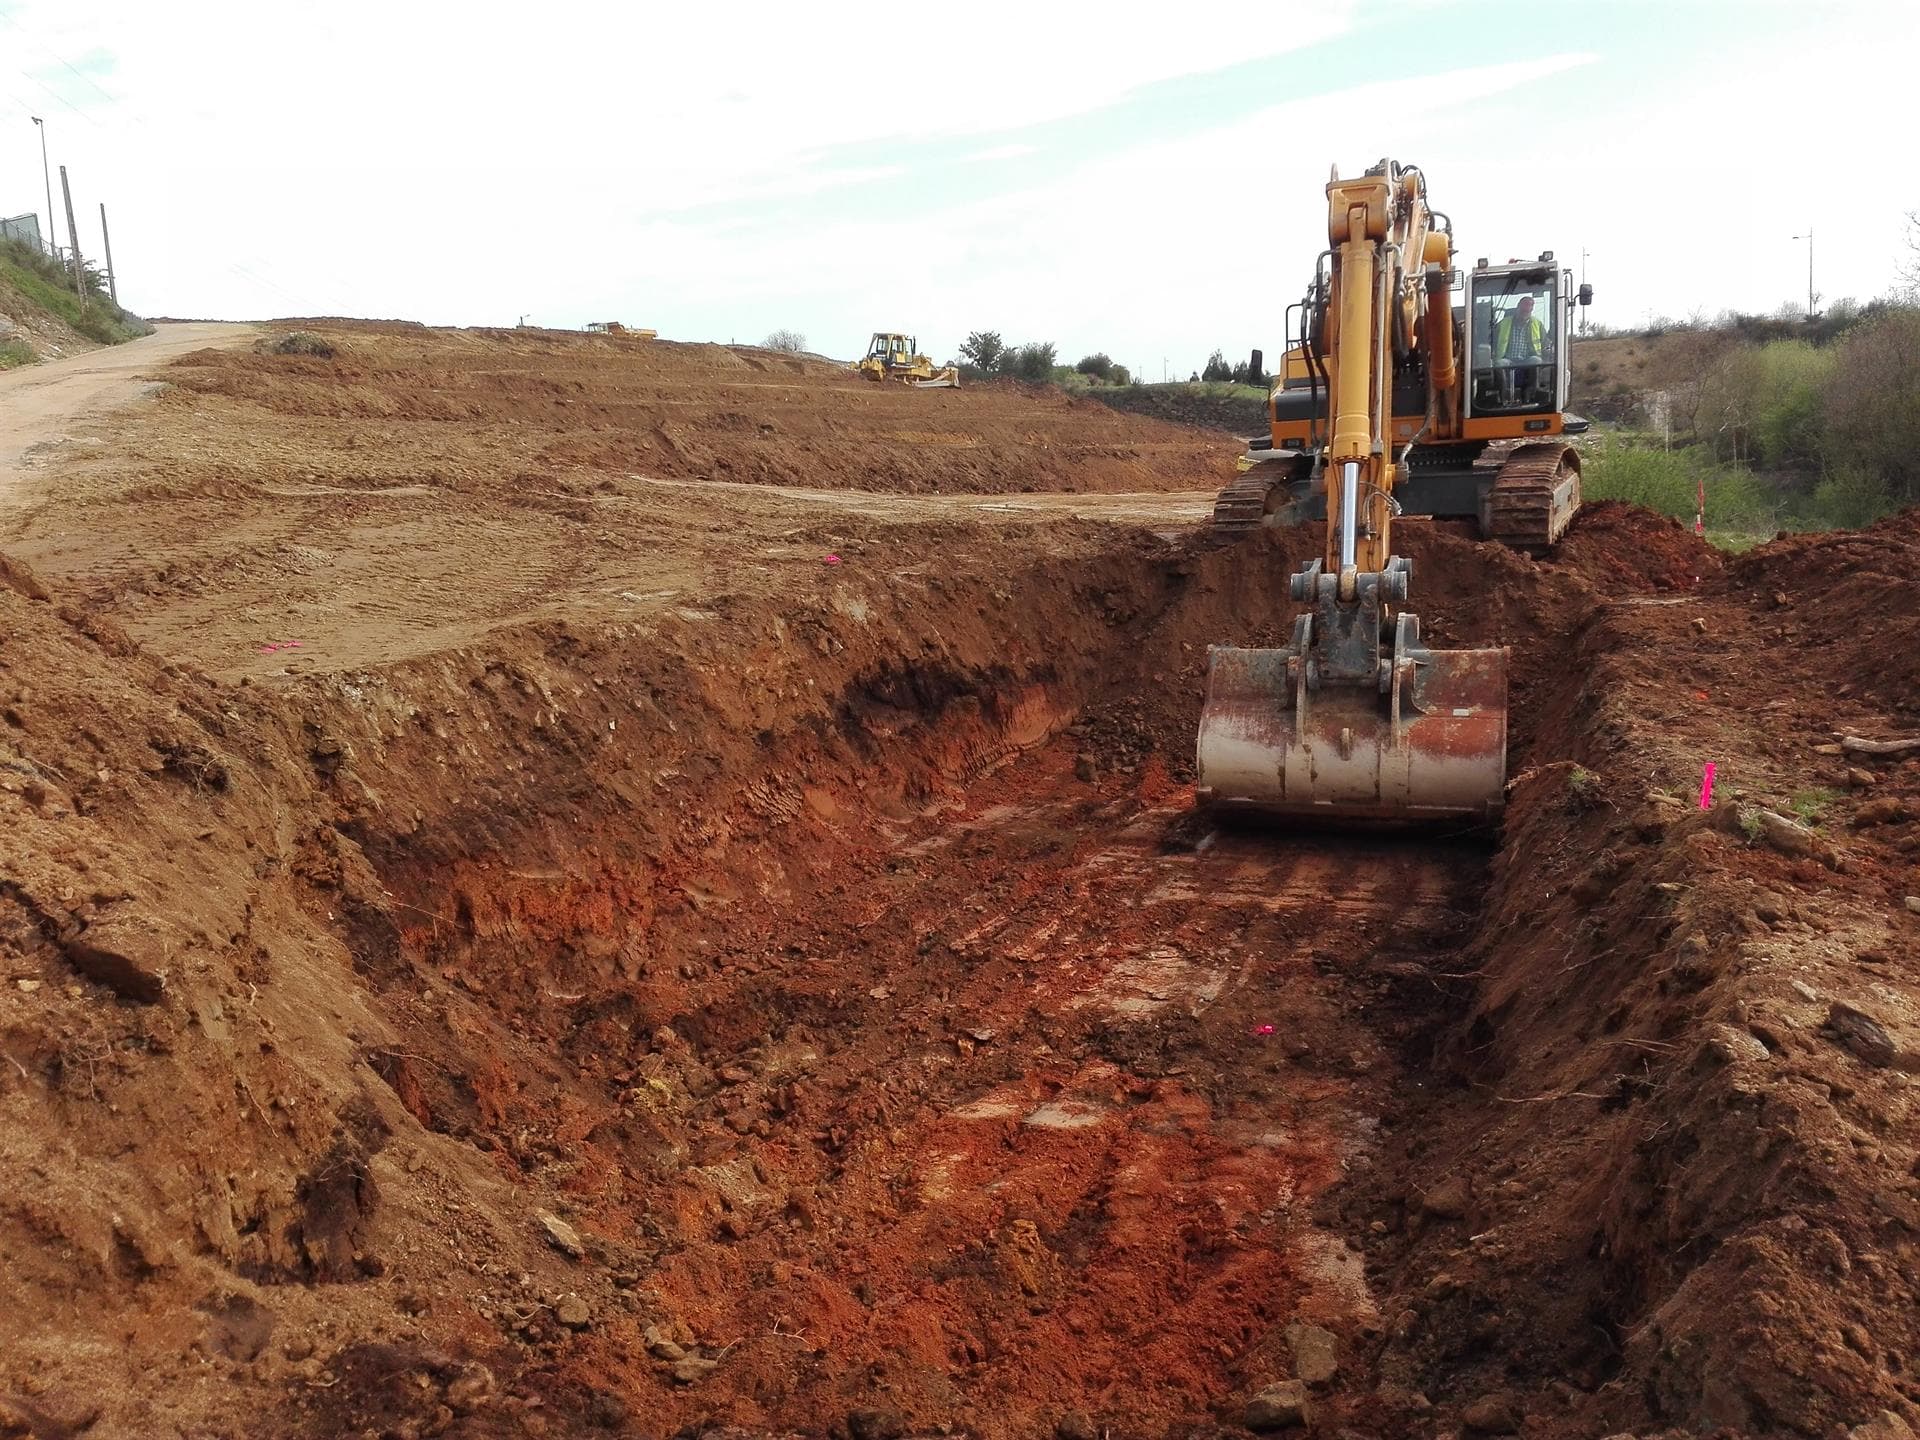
(1519, 339)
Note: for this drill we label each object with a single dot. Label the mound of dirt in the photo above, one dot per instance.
(1859, 593)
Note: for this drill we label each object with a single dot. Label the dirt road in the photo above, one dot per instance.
(556, 885)
(42, 405)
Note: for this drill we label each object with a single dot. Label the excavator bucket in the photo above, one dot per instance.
(1433, 746)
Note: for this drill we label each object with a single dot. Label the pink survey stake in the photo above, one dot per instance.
(1706, 787)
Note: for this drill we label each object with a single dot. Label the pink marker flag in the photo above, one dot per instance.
(1706, 787)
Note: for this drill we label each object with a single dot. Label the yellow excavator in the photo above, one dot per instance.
(1392, 400)
(893, 356)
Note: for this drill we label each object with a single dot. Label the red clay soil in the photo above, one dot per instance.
(808, 1004)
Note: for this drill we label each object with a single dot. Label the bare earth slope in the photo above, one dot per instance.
(703, 929)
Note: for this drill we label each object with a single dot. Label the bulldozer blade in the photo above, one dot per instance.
(1433, 747)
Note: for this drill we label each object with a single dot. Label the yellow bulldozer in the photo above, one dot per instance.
(1392, 400)
(893, 356)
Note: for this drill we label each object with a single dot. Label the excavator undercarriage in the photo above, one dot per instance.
(1523, 494)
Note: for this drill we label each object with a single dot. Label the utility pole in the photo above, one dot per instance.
(53, 249)
(1808, 237)
(73, 237)
(106, 242)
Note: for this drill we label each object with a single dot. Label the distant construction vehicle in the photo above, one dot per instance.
(893, 356)
(1391, 402)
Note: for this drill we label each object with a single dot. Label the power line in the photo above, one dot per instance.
(46, 49)
(57, 97)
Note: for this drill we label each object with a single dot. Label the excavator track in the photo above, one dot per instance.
(1243, 507)
(1534, 495)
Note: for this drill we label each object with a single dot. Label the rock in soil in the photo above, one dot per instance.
(1279, 1407)
(470, 1389)
(1314, 1360)
(1860, 1033)
(1728, 1045)
(1075, 1425)
(1449, 1199)
(563, 1236)
(1887, 1425)
(876, 1423)
(1790, 837)
(573, 1312)
(1887, 810)
(693, 1369)
(1490, 1415)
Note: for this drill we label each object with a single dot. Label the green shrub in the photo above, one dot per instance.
(1849, 498)
(15, 352)
(1872, 408)
(1033, 361)
(1669, 481)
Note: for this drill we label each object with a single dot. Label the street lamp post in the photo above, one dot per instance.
(52, 249)
(1808, 237)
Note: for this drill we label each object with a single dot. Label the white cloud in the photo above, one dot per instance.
(1000, 152)
(460, 165)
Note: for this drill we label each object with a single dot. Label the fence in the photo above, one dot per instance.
(25, 228)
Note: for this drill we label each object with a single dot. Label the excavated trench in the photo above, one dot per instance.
(901, 1045)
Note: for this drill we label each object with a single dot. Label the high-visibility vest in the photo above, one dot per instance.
(1536, 332)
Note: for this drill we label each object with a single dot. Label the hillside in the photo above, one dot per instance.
(42, 319)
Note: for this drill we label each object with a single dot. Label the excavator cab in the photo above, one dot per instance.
(1517, 333)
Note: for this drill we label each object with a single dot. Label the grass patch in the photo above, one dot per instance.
(1809, 805)
(15, 353)
(1743, 509)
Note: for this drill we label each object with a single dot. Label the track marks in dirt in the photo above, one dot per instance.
(1146, 1082)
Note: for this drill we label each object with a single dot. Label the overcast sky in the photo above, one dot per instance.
(1142, 180)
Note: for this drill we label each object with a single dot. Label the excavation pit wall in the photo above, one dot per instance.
(883, 1023)
(759, 1018)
